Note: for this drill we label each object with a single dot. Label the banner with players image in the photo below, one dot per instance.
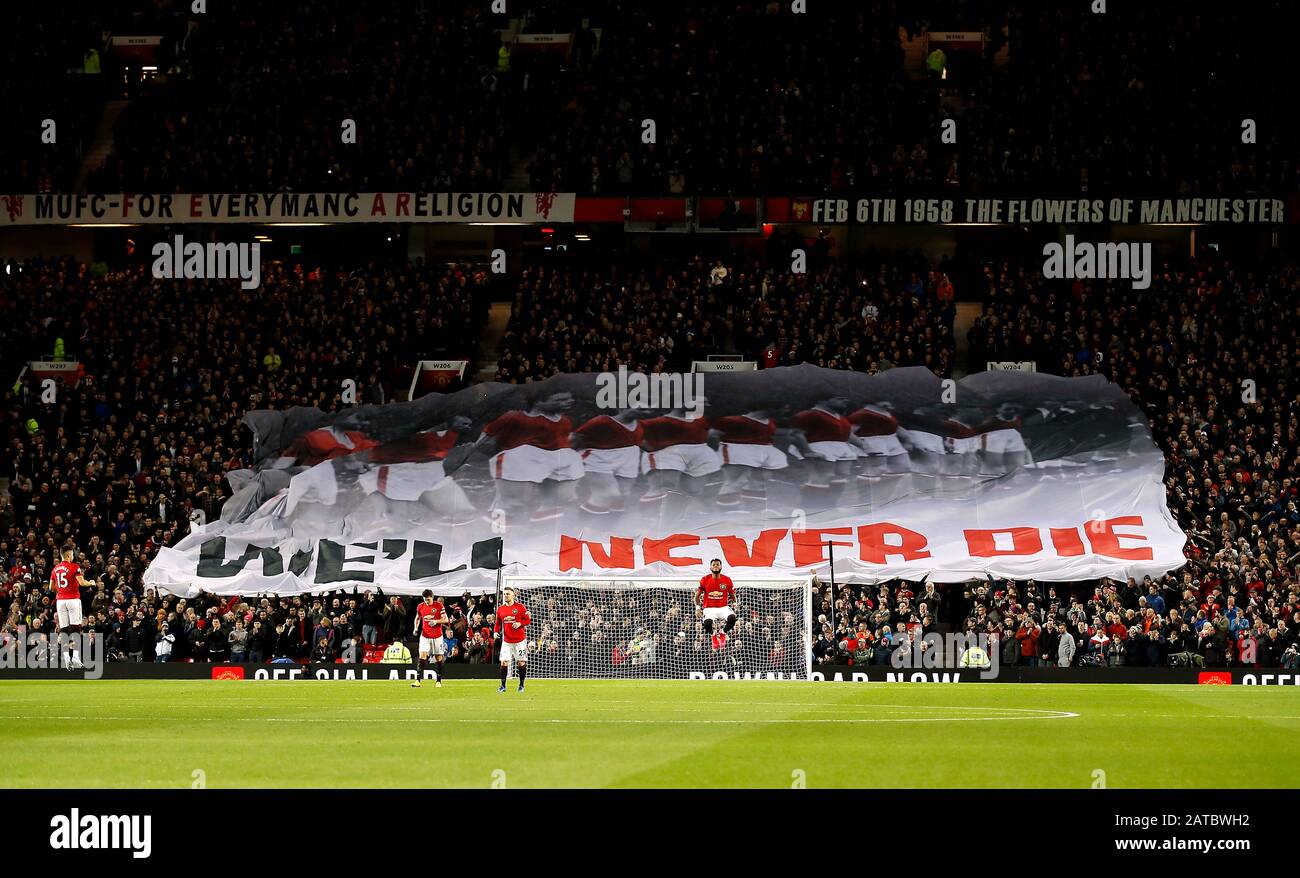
(1014, 474)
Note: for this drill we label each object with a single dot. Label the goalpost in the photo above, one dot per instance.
(648, 628)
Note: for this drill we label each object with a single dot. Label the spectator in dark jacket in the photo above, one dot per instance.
(287, 640)
(394, 620)
(1135, 648)
(134, 641)
(259, 641)
(371, 608)
(1010, 647)
(1049, 644)
(218, 641)
(196, 641)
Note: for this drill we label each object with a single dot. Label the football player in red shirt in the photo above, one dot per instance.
(67, 582)
(751, 447)
(610, 446)
(430, 616)
(530, 458)
(715, 594)
(512, 622)
(1002, 447)
(406, 478)
(876, 427)
(828, 431)
(680, 460)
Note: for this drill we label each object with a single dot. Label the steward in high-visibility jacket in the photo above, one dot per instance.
(397, 654)
(974, 657)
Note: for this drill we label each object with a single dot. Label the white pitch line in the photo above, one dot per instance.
(758, 705)
(1044, 714)
(603, 721)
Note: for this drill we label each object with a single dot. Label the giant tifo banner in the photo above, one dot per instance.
(288, 207)
(1015, 474)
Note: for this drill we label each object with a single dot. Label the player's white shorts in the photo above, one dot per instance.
(528, 463)
(755, 456)
(1004, 441)
(318, 484)
(622, 462)
(718, 614)
(432, 645)
(69, 612)
(921, 441)
(887, 446)
(514, 652)
(963, 444)
(835, 450)
(403, 481)
(694, 460)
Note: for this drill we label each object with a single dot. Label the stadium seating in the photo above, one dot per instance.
(744, 100)
(121, 462)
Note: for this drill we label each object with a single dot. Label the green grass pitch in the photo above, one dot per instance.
(644, 734)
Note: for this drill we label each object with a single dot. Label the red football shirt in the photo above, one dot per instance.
(508, 613)
(955, 429)
(822, 426)
(603, 431)
(665, 432)
(744, 430)
(870, 422)
(717, 591)
(518, 428)
(996, 423)
(420, 448)
(64, 579)
(327, 443)
(427, 613)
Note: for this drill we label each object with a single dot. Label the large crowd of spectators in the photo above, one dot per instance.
(123, 462)
(144, 626)
(1210, 353)
(745, 97)
(52, 105)
(866, 315)
(258, 94)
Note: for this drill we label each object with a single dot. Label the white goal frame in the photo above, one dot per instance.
(529, 590)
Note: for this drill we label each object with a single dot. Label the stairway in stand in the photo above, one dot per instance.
(102, 145)
(967, 313)
(489, 346)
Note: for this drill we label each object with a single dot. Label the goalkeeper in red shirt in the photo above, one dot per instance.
(511, 627)
(715, 595)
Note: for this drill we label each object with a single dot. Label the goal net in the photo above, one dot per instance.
(651, 629)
